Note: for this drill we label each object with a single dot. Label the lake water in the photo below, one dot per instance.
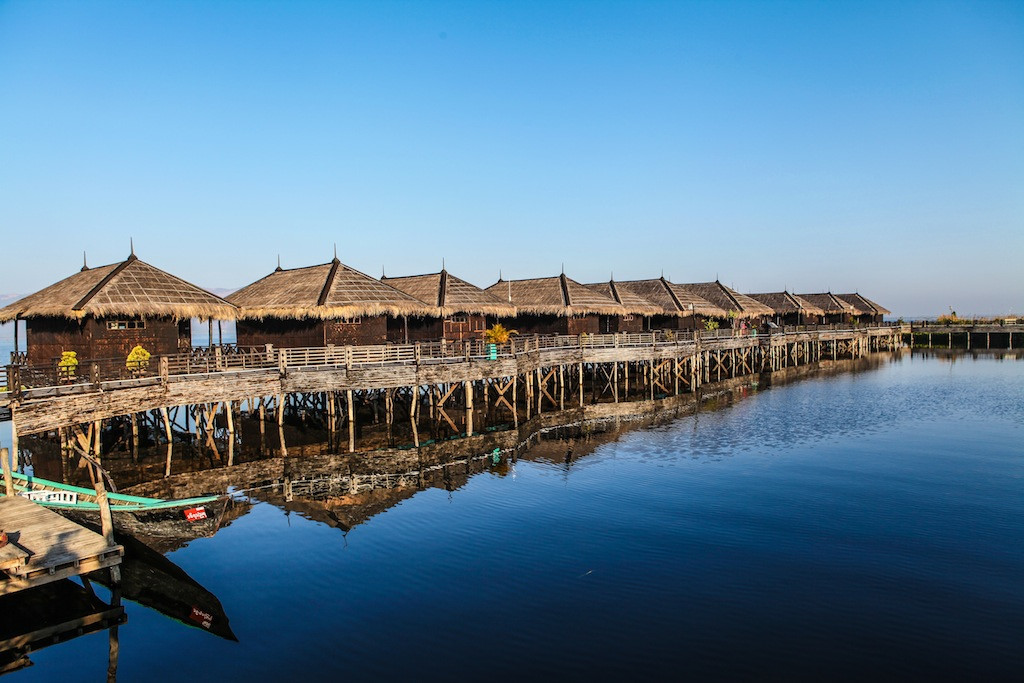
(860, 526)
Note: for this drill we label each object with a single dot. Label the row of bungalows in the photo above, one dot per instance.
(103, 312)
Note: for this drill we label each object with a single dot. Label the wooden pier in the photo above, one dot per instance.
(972, 336)
(44, 547)
(440, 387)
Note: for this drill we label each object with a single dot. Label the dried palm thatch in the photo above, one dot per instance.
(558, 295)
(672, 299)
(328, 291)
(632, 303)
(828, 303)
(129, 288)
(862, 305)
(451, 294)
(740, 305)
(785, 302)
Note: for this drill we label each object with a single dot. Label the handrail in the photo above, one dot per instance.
(204, 361)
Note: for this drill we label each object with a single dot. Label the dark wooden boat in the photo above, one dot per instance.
(155, 518)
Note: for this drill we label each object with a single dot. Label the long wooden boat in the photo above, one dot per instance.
(179, 519)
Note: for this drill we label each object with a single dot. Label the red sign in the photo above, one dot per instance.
(195, 514)
(204, 619)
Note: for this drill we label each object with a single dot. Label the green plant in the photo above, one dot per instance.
(138, 358)
(498, 334)
(710, 325)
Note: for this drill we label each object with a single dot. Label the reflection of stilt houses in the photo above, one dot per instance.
(835, 311)
(320, 305)
(680, 309)
(790, 309)
(736, 305)
(638, 310)
(555, 305)
(867, 311)
(104, 312)
(464, 308)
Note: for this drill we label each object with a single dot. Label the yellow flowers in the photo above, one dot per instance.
(138, 359)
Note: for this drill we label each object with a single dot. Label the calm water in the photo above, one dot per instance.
(868, 525)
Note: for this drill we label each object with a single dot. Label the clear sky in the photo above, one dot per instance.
(876, 147)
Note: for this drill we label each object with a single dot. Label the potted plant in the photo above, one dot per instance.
(497, 334)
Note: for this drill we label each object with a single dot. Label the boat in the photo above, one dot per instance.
(155, 518)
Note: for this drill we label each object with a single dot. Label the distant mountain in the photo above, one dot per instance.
(222, 291)
(9, 298)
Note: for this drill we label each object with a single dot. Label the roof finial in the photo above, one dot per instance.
(611, 277)
(563, 267)
(278, 262)
(85, 265)
(382, 273)
(335, 251)
(500, 278)
(442, 264)
(131, 243)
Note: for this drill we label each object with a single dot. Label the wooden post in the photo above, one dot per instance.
(135, 436)
(581, 384)
(351, 422)
(515, 407)
(468, 386)
(615, 379)
(280, 410)
(561, 387)
(14, 437)
(5, 456)
(414, 409)
(389, 415)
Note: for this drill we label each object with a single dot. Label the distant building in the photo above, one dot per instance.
(554, 305)
(320, 305)
(679, 308)
(736, 306)
(637, 311)
(791, 309)
(464, 309)
(864, 309)
(834, 310)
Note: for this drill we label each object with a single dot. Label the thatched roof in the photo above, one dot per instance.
(129, 288)
(863, 306)
(633, 303)
(785, 302)
(558, 295)
(828, 303)
(671, 298)
(328, 291)
(728, 299)
(451, 294)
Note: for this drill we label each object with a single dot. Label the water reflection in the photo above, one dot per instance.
(57, 612)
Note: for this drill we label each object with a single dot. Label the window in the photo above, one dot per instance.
(126, 324)
(459, 319)
(351, 321)
(627, 318)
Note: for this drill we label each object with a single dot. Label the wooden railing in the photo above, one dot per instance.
(234, 358)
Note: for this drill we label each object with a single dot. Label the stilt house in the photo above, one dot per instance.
(835, 310)
(736, 306)
(864, 309)
(679, 309)
(320, 305)
(104, 312)
(638, 311)
(554, 305)
(465, 309)
(791, 309)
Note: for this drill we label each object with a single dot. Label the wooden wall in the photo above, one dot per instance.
(623, 323)
(90, 338)
(298, 333)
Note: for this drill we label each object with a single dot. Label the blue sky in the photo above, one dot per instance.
(876, 147)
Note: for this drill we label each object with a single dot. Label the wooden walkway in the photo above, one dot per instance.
(45, 547)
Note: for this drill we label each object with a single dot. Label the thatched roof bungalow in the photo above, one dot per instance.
(320, 305)
(638, 311)
(554, 305)
(790, 309)
(464, 308)
(835, 310)
(680, 309)
(736, 305)
(104, 312)
(865, 309)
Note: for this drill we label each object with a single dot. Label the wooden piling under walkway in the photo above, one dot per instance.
(44, 547)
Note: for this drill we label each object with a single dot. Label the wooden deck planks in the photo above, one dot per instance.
(53, 547)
